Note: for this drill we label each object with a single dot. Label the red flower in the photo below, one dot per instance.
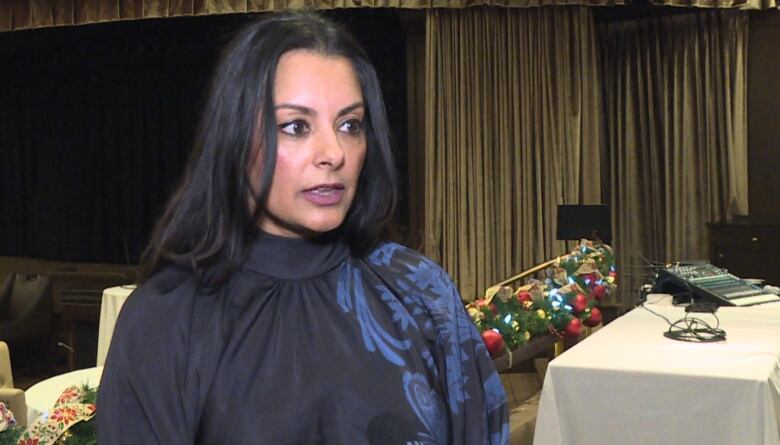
(28, 442)
(67, 395)
(64, 414)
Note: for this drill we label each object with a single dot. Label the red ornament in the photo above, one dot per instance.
(494, 341)
(590, 278)
(595, 317)
(491, 306)
(574, 328)
(579, 303)
(522, 297)
(612, 273)
(599, 292)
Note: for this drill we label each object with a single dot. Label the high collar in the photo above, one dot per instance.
(290, 258)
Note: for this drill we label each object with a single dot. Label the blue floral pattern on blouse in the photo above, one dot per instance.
(430, 304)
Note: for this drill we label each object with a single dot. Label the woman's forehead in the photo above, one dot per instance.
(313, 78)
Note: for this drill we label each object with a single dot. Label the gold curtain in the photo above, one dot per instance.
(677, 129)
(740, 4)
(26, 14)
(512, 130)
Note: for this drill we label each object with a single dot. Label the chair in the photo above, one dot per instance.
(25, 307)
(12, 397)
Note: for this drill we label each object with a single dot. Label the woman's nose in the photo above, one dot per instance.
(329, 152)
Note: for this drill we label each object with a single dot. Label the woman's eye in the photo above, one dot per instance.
(352, 126)
(294, 128)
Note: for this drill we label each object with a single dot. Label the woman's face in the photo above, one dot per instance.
(321, 145)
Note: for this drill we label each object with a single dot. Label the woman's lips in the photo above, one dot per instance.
(325, 194)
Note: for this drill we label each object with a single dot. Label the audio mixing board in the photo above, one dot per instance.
(712, 283)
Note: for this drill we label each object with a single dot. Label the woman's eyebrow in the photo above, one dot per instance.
(350, 108)
(311, 112)
(300, 108)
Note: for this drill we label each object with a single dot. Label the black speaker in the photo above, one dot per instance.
(591, 222)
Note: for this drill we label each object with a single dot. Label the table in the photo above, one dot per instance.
(40, 397)
(627, 384)
(113, 299)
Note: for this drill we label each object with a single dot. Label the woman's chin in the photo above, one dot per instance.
(312, 230)
(305, 229)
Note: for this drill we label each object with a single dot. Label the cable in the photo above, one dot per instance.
(642, 305)
(691, 329)
(63, 345)
(696, 330)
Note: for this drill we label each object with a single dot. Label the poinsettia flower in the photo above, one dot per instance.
(68, 395)
(64, 414)
(28, 442)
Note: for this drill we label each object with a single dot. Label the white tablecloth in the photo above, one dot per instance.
(40, 397)
(113, 299)
(627, 384)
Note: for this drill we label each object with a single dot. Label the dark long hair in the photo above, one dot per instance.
(207, 224)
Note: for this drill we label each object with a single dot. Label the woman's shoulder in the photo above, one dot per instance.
(171, 280)
(389, 253)
(413, 271)
(164, 296)
(167, 314)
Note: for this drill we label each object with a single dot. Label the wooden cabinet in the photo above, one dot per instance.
(747, 250)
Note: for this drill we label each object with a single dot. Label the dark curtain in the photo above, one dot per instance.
(97, 123)
(29, 14)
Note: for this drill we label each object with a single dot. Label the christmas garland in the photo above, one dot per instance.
(70, 422)
(560, 304)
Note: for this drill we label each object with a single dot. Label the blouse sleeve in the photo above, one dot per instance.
(143, 397)
(474, 394)
(478, 404)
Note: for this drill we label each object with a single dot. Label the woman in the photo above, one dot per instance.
(273, 313)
